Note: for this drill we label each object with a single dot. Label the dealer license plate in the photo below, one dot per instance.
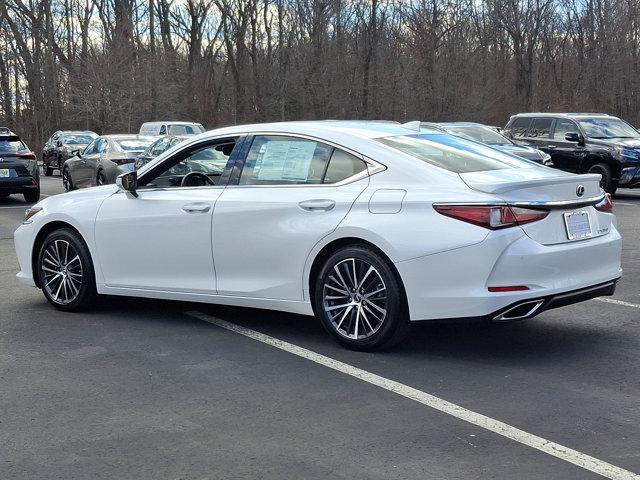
(578, 226)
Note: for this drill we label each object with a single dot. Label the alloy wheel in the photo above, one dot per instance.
(61, 271)
(101, 180)
(355, 298)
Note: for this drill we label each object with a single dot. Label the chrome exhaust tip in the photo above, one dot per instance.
(519, 311)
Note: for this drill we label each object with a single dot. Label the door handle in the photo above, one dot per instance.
(196, 207)
(317, 205)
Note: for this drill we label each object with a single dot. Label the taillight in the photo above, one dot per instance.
(122, 161)
(28, 156)
(492, 217)
(605, 205)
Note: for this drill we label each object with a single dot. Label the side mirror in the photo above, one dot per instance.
(76, 153)
(573, 137)
(128, 182)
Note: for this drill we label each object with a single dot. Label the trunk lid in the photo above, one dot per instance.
(546, 189)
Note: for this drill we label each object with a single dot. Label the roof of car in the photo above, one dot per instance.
(561, 114)
(170, 122)
(127, 136)
(461, 124)
(328, 128)
(77, 132)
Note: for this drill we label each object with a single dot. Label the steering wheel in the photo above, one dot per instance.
(193, 175)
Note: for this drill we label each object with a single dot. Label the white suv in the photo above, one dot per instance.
(171, 128)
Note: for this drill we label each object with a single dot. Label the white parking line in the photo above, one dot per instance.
(623, 203)
(559, 451)
(617, 302)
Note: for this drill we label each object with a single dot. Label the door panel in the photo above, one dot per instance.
(566, 155)
(262, 235)
(158, 241)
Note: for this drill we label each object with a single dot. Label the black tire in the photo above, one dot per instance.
(101, 179)
(606, 183)
(67, 181)
(48, 171)
(347, 326)
(32, 196)
(85, 294)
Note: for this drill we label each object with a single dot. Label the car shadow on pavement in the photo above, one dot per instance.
(540, 340)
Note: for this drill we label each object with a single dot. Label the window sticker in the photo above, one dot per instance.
(285, 160)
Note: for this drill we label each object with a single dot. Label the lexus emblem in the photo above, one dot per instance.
(580, 190)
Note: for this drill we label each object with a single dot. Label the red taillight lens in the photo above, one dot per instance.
(605, 205)
(511, 288)
(29, 156)
(123, 161)
(492, 217)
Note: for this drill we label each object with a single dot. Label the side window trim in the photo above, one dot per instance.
(372, 167)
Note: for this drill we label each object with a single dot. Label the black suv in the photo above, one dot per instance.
(19, 172)
(63, 145)
(584, 143)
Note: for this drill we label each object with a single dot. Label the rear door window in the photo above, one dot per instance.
(540, 128)
(282, 160)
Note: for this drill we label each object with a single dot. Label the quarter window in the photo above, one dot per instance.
(342, 166)
(540, 128)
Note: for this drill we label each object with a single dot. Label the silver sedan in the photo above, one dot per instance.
(103, 160)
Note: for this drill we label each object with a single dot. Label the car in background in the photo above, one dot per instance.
(156, 148)
(367, 225)
(584, 143)
(19, 171)
(103, 160)
(155, 129)
(64, 144)
(490, 136)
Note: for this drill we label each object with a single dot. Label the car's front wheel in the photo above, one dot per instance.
(359, 299)
(607, 183)
(65, 271)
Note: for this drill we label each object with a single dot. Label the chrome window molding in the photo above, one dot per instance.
(536, 204)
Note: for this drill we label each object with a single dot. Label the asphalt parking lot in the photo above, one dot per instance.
(141, 389)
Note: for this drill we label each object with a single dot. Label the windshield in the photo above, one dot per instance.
(608, 128)
(77, 139)
(10, 144)
(453, 153)
(133, 144)
(185, 129)
(479, 134)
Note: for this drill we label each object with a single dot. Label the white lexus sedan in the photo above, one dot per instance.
(367, 225)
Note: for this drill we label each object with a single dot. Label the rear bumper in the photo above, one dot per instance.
(18, 184)
(454, 284)
(530, 308)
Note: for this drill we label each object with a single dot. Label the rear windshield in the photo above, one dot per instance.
(185, 129)
(453, 153)
(11, 144)
(133, 144)
(479, 134)
(77, 139)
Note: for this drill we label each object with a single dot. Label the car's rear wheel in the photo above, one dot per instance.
(67, 182)
(32, 196)
(101, 179)
(359, 299)
(606, 182)
(48, 171)
(65, 271)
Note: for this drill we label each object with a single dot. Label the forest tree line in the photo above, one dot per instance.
(109, 65)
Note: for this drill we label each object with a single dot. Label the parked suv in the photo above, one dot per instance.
(584, 143)
(19, 172)
(63, 145)
(170, 128)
